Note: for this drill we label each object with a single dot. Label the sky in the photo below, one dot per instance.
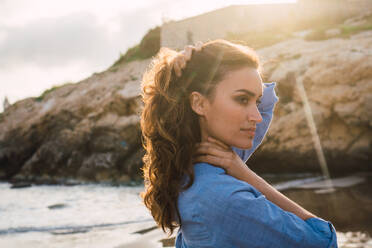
(44, 43)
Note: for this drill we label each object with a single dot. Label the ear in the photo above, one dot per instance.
(198, 103)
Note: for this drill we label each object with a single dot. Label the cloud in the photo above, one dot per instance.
(42, 44)
(56, 41)
(134, 25)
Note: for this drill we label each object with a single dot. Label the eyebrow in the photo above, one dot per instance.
(248, 92)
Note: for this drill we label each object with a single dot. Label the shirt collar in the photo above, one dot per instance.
(205, 168)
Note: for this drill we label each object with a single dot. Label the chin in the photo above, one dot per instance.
(244, 145)
(247, 147)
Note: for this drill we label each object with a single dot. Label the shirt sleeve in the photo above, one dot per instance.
(250, 220)
(266, 108)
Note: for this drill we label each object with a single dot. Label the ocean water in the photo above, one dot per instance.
(97, 215)
(71, 216)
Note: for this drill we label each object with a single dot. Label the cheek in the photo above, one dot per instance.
(226, 119)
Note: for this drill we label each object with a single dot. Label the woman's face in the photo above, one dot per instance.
(231, 116)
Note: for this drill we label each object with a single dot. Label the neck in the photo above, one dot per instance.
(203, 131)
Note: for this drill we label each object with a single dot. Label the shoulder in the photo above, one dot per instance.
(213, 186)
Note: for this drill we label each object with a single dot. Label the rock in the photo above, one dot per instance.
(359, 19)
(332, 32)
(339, 206)
(70, 231)
(302, 34)
(83, 131)
(143, 231)
(89, 131)
(6, 103)
(20, 185)
(57, 206)
(338, 84)
(295, 183)
(337, 183)
(354, 239)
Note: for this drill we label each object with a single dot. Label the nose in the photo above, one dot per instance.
(254, 115)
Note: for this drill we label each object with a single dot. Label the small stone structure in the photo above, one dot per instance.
(6, 103)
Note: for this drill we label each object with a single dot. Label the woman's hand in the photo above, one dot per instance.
(180, 61)
(219, 154)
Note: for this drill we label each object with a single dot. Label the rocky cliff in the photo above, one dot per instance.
(337, 77)
(85, 131)
(90, 131)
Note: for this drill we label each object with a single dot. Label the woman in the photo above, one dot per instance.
(205, 111)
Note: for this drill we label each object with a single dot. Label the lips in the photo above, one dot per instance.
(249, 131)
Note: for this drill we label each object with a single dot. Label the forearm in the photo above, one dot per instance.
(274, 195)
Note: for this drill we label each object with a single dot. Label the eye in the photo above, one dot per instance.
(243, 100)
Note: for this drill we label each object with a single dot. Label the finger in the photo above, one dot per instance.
(214, 146)
(182, 62)
(218, 142)
(212, 149)
(198, 45)
(215, 150)
(179, 63)
(216, 161)
(179, 59)
(177, 68)
(188, 52)
(207, 144)
(205, 159)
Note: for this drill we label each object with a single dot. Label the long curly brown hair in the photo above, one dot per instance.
(169, 126)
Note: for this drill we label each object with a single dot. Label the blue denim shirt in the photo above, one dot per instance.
(221, 211)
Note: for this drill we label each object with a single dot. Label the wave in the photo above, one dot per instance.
(67, 229)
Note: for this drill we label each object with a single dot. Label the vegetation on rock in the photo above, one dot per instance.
(148, 47)
(53, 88)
